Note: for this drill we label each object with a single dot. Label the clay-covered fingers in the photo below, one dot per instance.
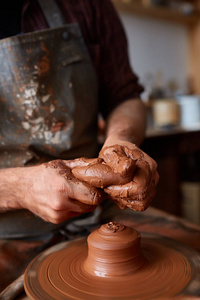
(127, 175)
(137, 204)
(118, 160)
(74, 188)
(138, 193)
(73, 209)
(131, 161)
(137, 155)
(140, 190)
(51, 192)
(84, 192)
(112, 167)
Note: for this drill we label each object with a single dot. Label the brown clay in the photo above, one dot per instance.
(119, 159)
(93, 175)
(113, 250)
(122, 196)
(116, 167)
(113, 266)
(123, 173)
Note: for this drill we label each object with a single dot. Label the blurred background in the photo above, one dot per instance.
(164, 50)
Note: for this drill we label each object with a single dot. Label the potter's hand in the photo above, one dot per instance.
(53, 193)
(140, 190)
(128, 175)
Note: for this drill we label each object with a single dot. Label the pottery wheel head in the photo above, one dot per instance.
(114, 262)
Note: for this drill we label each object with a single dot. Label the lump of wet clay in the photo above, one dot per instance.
(93, 175)
(122, 173)
(113, 168)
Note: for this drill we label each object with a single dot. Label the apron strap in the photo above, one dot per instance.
(52, 13)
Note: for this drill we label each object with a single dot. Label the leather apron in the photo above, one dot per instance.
(48, 105)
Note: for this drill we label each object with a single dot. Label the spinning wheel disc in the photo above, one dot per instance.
(58, 273)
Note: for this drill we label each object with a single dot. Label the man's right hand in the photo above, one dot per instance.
(48, 190)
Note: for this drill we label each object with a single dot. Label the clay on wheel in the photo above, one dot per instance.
(115, 264)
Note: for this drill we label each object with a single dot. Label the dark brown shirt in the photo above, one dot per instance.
(104, 37)
(106, 41)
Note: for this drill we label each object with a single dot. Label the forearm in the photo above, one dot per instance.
(10, 188)
(127, 122)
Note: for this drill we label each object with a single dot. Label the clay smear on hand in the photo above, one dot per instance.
(113, 168)
(79, 190)
(123, 174)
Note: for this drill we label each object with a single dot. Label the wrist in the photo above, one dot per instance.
(12, 183)
(117, 139)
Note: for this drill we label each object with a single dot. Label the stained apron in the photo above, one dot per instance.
(48, 110)
(48, 107)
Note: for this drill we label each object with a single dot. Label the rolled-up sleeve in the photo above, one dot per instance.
(117, 81)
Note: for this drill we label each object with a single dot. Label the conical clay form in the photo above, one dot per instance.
(114, 250)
